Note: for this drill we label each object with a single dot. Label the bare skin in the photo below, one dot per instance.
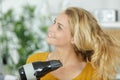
(71, 68)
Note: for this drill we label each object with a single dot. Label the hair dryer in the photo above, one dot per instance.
(35, 70)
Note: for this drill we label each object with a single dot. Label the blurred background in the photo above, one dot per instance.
(24, 24)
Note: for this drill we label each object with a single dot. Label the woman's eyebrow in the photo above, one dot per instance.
(60, 24)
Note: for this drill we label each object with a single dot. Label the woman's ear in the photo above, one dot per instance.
(72, 40)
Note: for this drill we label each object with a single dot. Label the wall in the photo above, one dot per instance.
(88, 4)
(97, 4)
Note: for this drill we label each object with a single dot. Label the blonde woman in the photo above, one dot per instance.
(85, 50)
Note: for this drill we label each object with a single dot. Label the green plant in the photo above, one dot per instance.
(22, 30)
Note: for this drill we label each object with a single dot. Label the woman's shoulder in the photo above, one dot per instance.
(89, 70)
(37, 56)
(87, 73)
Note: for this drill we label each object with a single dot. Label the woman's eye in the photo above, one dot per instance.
(59, 27)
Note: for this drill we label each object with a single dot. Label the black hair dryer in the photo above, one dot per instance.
(36, 70)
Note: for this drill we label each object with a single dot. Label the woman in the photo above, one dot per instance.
(85, 50)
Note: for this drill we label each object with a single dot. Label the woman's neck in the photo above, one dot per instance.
(66, 55)
(71, 63)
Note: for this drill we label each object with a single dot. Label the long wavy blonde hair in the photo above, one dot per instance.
(97, 47)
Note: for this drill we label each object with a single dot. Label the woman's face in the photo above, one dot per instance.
(59, 33)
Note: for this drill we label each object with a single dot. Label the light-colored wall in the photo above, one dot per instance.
(88, 4)
(97, 4)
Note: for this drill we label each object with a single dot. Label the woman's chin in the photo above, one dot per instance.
(49, 41)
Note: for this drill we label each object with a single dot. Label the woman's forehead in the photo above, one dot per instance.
(63, 19)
